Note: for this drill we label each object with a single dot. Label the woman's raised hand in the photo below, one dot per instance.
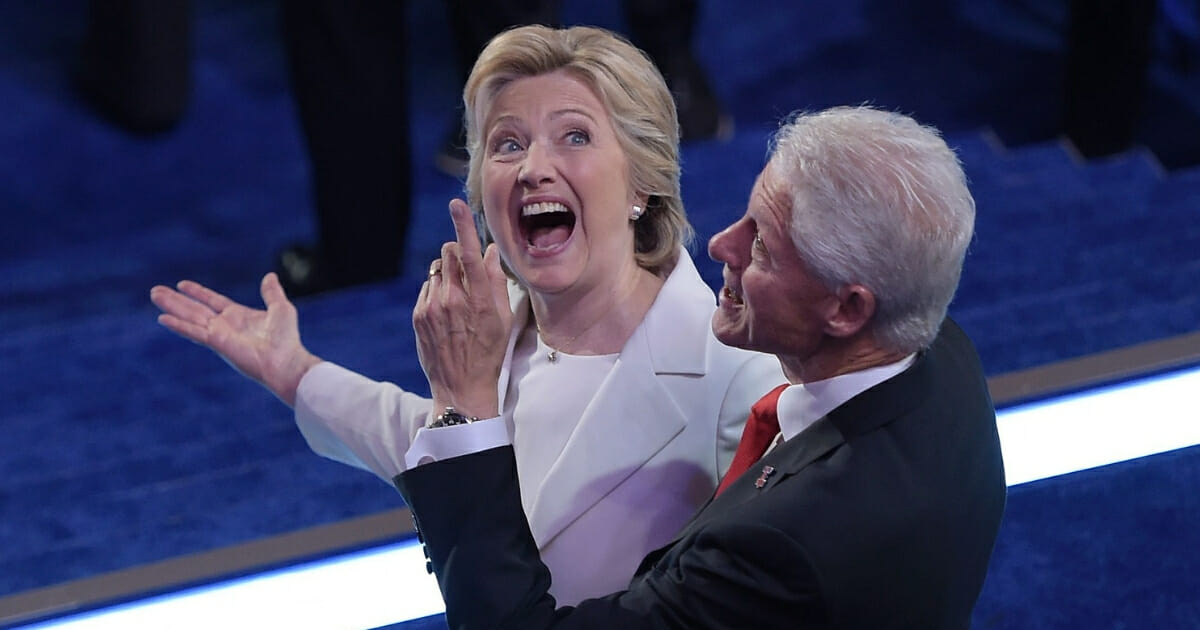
(462, 321)
(264, 345)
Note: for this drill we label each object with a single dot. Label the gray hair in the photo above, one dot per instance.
(879, 200)
(636, 98)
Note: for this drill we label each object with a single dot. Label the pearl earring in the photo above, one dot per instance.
(636, 214)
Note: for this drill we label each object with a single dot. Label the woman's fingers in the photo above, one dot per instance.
(460, 290)
(468, 252)
(483, 280)
(205, 295)
(271, 291)
(184, 328)
(464, 228)
(423, 296)
(497, 281)
(452, 278)
(180, 306)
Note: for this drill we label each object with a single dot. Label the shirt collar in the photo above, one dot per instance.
(802, 404)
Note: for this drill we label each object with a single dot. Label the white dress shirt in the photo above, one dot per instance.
(802, 404)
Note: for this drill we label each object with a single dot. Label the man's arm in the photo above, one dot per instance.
(469, 517)
(468, 512)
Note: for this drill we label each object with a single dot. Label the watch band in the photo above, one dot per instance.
(449, 418)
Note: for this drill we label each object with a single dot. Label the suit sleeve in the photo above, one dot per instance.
(468, 513)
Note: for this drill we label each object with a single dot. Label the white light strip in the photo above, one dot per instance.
(1100, 426)
(388, 585)
(357, 591)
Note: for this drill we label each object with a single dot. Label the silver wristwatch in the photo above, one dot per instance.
(449, 418)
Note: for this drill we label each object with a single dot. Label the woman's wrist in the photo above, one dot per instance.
(473, 406)
(290, 385)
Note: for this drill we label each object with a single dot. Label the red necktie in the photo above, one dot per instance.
(761, 428)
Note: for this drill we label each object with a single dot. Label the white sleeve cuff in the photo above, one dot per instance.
(433, 445)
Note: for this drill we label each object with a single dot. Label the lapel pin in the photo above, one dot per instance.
(762, 478)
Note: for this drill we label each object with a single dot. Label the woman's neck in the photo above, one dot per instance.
(596, 321)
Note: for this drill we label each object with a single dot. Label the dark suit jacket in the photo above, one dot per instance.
(881, 515)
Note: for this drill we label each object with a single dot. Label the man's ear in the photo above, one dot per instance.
(854, 308)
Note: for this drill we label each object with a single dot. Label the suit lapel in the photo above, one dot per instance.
(865, 412)
(786, 460)
(789, 458)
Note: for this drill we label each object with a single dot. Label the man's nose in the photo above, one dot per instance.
(718, 245)
(731, 245)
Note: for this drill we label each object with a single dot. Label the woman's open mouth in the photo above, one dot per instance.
(546, 225)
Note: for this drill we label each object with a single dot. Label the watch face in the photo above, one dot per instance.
(453, 417)
(449, 418)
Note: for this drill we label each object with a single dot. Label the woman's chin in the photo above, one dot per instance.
(546, 279)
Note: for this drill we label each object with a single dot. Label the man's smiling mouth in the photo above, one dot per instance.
(732, 296)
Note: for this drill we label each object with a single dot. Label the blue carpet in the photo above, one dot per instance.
(133, 446)
(1112, 547)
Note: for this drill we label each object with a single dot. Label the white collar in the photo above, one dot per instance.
(678, 319)
(802, 404)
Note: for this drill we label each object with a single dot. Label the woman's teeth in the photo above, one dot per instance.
(546, 225)
(545, 207)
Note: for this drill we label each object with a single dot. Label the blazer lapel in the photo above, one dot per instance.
(630, 419)
(518, 300)
(632, 416)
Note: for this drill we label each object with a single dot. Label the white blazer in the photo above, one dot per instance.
(647, 452)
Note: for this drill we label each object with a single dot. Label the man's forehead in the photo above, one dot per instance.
(771, 194)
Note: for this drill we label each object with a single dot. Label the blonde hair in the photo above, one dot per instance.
(636, 98)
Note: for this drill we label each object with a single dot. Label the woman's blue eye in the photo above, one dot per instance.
(507, 145)
(578, 137)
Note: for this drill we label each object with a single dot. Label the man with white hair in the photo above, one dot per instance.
(880, 493)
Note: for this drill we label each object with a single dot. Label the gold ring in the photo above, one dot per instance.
(435, 267)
